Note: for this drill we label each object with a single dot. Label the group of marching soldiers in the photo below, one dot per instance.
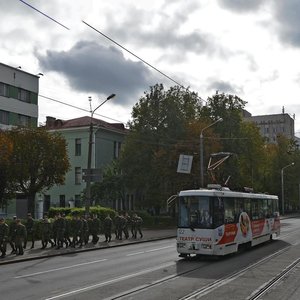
(69, 233)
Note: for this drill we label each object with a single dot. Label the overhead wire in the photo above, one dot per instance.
(47, 16)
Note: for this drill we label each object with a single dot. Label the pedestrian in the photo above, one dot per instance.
(118, 226)
(60, 231)
(137, 220)
(107, 227)
(125, 222)
(77, 229)
(20, 237)
(30, 228)
(84, 236)
(67, 239)
(54, 230)
(46, 232)
(12, 235)
(94, 228)
(4, 231)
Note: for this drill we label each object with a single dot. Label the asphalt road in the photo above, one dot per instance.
(153, 270)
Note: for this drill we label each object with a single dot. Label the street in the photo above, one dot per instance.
(153, 270)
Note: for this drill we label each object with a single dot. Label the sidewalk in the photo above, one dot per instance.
(38, 253)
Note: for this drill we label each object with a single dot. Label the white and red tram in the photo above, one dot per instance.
(218, 221)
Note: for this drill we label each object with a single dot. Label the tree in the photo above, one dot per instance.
(39, 161)
(159, 122)
(6, 148)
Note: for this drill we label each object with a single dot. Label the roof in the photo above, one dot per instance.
(53, 123)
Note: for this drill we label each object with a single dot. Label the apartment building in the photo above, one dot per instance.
(18, 97)
(107, 141)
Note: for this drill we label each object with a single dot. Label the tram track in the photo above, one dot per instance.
(205, 289)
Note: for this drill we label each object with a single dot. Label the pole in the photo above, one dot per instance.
(89, 164)
(282, 192)
(201, 152)
(282, 186)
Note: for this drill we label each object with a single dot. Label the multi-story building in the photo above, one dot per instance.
(271, 126)
(107, 140)
(18, 97)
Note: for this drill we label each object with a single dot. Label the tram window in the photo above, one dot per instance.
(257, 209)
(218, 211)
(265, 209)
(230, 213)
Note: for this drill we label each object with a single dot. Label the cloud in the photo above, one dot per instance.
(223, 87)
(288, 21)
(90, 67)
(241, 6)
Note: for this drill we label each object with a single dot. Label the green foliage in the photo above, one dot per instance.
(101, 212)
(39, 161)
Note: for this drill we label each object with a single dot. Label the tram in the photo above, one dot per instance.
(218, 221)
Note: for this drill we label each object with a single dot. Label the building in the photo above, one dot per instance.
(18, 107)
(107, 141)
(18, 97)
(271, 126)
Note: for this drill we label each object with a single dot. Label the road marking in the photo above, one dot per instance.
(148, 251)
(58, 269)
(100, 284)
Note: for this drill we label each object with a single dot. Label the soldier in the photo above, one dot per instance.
(107, 226)
(84, 236)
(20, 237)
(77, 229)
(137, 225)
(4, 231)
(60, 231)
(12, 235)
(67, 239)
(125, 225)
(46, 230)
(30, 228)
(94, 227)
(54, 230)
(118, 226)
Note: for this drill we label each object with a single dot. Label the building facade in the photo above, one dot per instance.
(271, 126)
(107, 141)
(18, 97)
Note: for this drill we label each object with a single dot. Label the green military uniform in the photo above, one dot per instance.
(4, 231)
(46, 232)
(94, 228)
(30, 227)
(107, 227)
(20, 237)
(60, 231)
(12, 234)
(84, 236)
(137, 223)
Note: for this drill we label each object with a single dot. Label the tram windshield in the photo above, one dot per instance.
(195, 212)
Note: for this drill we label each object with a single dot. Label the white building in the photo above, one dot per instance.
(18, 97)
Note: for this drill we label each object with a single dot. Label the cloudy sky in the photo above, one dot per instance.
(247, 48)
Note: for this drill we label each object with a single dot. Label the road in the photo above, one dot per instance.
(154, 271)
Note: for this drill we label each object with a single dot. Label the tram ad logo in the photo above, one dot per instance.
(244, 223)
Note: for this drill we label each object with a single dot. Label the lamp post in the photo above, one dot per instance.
(89, 164)
(282, 186)
(201, 151)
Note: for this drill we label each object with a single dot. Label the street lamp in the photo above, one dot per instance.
(282, 186)
(89, 165)
(201, 151)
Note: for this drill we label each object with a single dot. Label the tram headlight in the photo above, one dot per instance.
(206, 246)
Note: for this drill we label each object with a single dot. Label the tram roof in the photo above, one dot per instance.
(226, 193)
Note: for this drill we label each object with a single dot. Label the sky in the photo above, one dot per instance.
(247, 48)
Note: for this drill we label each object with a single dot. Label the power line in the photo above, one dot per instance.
(77, 107)
(44, 14)
(141, 59)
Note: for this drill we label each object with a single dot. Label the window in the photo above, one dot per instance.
(230, 213)
(117, 149)
(77, 175)
(77, 147)
(77, 201)
(62, 200)
(3, 89)
(24, 95)
(24, 120)
(4, 117)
